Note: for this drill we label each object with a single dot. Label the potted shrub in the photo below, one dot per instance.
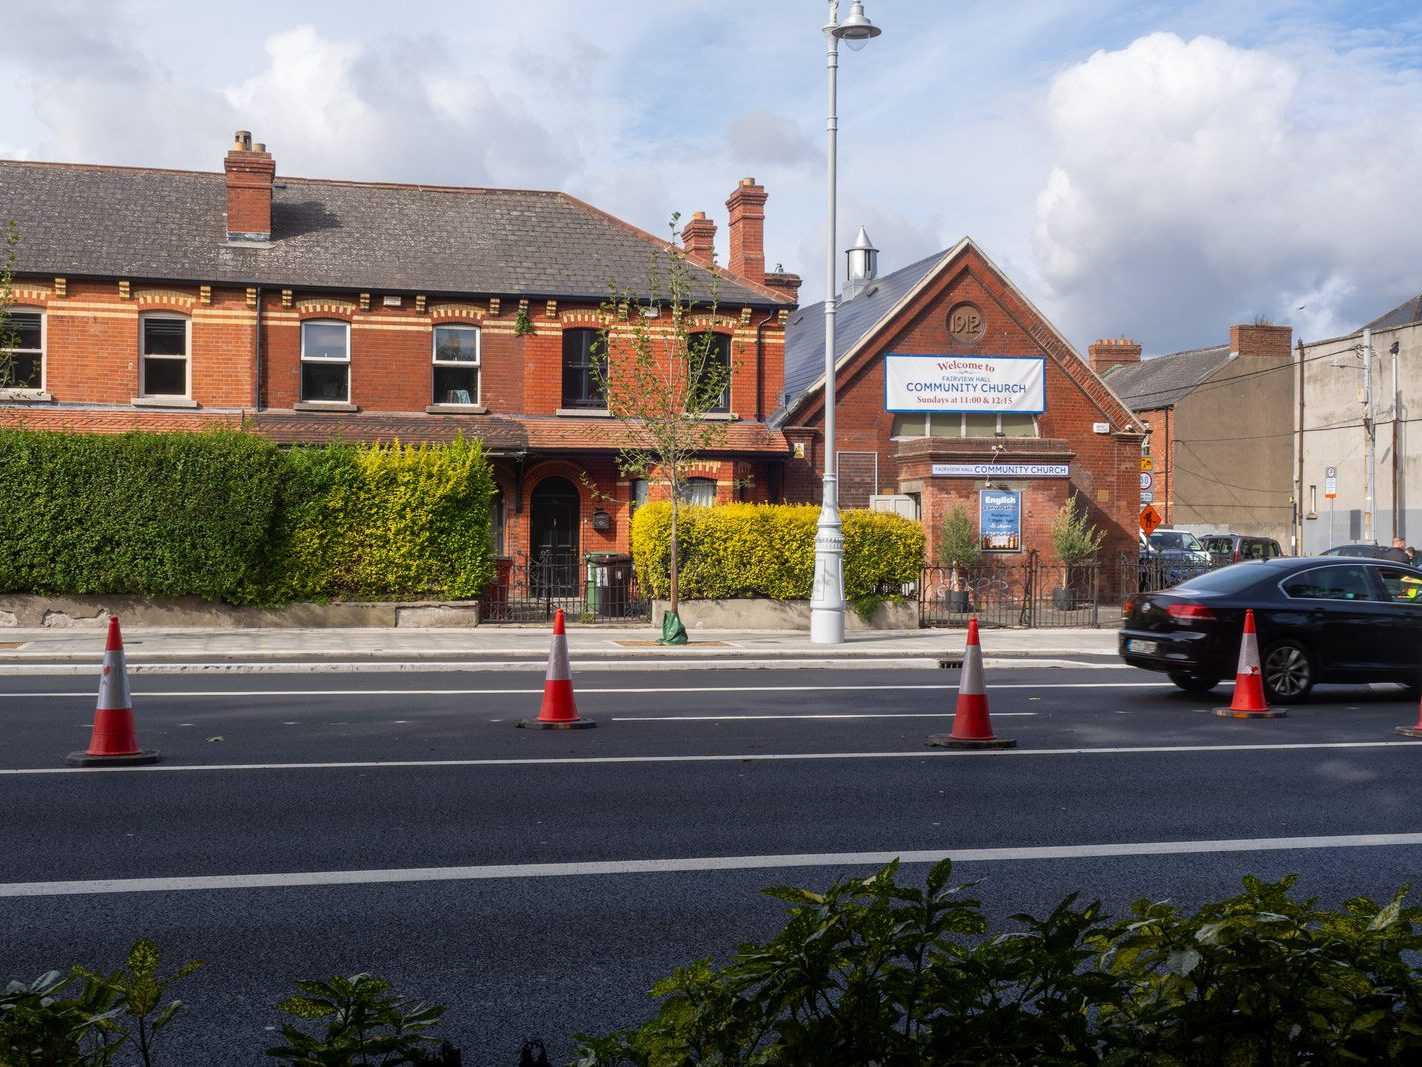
(1076, 542)
(958, 550)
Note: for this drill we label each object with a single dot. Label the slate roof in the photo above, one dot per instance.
(1160, 382)
(166, 225)
(805, 331)
(1406, 313)
(500, 433)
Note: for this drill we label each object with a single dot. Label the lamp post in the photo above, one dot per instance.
(827, 597)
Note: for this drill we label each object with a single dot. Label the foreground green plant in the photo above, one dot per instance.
(132, 998)
(871, 971)
(366, 1026)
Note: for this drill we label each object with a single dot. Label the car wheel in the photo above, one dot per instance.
(1194, 683)
(1288, 670)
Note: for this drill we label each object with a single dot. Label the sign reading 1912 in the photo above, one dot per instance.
(965, 383)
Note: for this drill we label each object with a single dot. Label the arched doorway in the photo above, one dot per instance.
(553, 538)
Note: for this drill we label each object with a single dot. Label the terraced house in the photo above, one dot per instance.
(307, 310)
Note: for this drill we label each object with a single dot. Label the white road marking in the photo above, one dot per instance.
(940, 687)
(696, 863)
(756, 757)
(812, 715)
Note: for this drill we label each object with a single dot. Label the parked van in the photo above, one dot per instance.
(1231, 548)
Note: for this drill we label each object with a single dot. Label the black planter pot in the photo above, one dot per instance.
(1064, 599)
(958, 602)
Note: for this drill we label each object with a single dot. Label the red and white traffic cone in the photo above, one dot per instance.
(1248, 702)
(971, 727)
(113, 742)
(560, 710)
(1410, 731)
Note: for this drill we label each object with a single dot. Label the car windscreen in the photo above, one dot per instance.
(1175, 539)
(1226, 580)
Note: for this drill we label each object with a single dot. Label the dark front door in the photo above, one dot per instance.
(553, 546)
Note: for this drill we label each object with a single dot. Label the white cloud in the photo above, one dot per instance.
(758, 137)
(1198, 184)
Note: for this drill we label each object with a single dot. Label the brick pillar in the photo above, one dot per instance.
(250, 170)
(699, 238)
(747, 207)
(1112, 352)
(789, 284)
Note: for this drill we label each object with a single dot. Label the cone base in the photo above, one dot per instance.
(1267, 713)
(949, 741)
(1408, 731)
(128, 759)
(565, 724)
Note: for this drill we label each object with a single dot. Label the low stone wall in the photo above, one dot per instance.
(779, 615)
(94, 611)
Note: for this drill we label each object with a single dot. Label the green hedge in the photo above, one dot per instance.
(229, 516)
(768, 550)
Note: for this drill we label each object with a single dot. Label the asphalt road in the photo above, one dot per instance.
(538, 883)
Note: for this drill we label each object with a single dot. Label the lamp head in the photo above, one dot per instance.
(856, 30)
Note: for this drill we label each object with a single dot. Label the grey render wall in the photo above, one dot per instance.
(1333, 435)
(1232, 443)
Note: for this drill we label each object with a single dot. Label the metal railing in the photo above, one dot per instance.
(1023, 591)
(532, 589)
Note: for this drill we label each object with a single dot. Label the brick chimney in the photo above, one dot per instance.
(789, 284)
(1112, 352)
(699, 238)
(747, 207)
(1262, 340)
(249, 190)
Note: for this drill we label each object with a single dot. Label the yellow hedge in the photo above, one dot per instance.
(768, 550)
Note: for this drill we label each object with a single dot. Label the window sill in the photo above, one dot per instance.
(27, 396)
(456, 409)
(323, 405)
(584, 413)
(720, 416)
(163, 402)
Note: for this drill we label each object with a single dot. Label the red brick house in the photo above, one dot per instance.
(1065, 432)
(308, 310)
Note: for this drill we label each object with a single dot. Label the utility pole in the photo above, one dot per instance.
(1370, 472)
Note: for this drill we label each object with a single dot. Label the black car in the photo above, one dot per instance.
(1336, 619)
(1362, 549)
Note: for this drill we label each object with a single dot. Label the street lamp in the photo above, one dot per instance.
(827, 597)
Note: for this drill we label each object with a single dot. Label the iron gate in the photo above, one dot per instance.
(532, 589)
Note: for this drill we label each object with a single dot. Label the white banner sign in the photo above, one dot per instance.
(965, 383)
(1001, 470)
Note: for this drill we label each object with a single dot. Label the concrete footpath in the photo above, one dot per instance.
(27, 650)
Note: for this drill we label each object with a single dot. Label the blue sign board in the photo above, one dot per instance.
(1000, 520)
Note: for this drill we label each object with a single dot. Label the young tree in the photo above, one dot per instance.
(664, 371)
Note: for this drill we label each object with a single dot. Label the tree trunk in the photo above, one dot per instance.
(675, 562)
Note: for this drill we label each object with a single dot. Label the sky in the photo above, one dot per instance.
(1142, 169)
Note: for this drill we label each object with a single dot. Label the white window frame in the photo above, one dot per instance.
(477, 366)
(326, 360)
(171, 316)
(32, 392)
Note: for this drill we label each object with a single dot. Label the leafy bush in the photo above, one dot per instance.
(365, 1025)
(228, 516)
(871, 971)
(768, 550)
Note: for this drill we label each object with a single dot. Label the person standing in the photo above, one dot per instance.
(1397, 553)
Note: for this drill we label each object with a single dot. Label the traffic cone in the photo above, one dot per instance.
(1248, 702)
(971, 728)
(113, 742)
(560, 710)
(1410, 731)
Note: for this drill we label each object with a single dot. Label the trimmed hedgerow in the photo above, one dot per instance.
(147, 513)
(228, 516)
(768, 550)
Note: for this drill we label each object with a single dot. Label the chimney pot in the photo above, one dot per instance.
(698, 237)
